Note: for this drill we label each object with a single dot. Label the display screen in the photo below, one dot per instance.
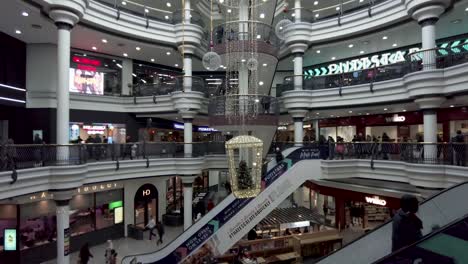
(9, 236)
(118, 215)
(86, 82)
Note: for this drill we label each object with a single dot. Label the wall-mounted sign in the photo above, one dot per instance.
(395, 118)
(146, 192)
(206, 129)
(88, 127)
(9, 239)
(98, 187)
(178, 126)
(307, 126)
(376, 200)
(84, 60)
(118, 215)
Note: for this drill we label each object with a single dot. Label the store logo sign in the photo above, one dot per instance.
(395, 118)
(376, 200)
(146, 192)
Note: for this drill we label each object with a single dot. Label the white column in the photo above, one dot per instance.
(63, 223)
(297, 11)
(188, 136)
(298, 131)
(63, 98)
(243, 16)
(187, 73)
(430, 134)
(187, 10)
(317, 129)
(127, 78)
(188, 193)
(428, 31)
(298, 71)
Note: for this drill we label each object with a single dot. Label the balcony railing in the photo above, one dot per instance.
(431, 59)
(171, 84)
(230, 32)
(13, 157)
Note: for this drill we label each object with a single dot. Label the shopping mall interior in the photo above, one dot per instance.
(233, 131)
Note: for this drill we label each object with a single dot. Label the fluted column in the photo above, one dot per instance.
(62, 199)
(187, 72)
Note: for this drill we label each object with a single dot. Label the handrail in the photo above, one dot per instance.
(390, 220)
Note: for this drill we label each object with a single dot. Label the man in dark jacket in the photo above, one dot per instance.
(406, 224)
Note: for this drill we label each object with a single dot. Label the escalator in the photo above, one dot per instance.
(438, 211)
(448, 245)
(233, 218)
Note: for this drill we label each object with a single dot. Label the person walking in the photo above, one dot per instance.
(151, 226)
(407, 226)
(460, 148)
(160, 229)
(85, 254)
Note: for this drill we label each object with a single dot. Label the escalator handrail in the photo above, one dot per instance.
(390, 220)
(426, 237)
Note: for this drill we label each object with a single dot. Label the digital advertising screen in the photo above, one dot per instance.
(118, 215)
(9, 236)
(86, 82)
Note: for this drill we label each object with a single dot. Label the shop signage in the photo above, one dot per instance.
(115, 204)
(146, 192)
(304, 153)
(178, 126)
(88, 61)
(206, 129)
(9, 239)
(395, 118)
(88, 127)
(98, 187)
(307, 126)
(282, 128)
(376, 200)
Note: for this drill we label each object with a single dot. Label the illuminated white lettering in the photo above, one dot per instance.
(376, 200)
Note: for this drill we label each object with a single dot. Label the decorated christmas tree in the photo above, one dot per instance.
(244, 178)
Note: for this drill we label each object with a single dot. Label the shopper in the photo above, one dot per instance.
(278, 155)
(85, 254)
(406, 224)
(160, 229)
(113, 257)
(340, 147)
(331, 145)
(460, 149)
(151, 226)
(210, 205)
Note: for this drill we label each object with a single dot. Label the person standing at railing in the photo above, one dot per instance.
(385, 146)
(340, 147)
(460, 149)
(331, 144)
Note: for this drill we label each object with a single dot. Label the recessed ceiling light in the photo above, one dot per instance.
(384, 37)
(94, 48)
(104, 40)
(452, 106)
(394, 45)
(84, 54)
(177, 65)
(466, 9)
(337, 116)
(351, 45)
(260, 83)
(259, 36)
(404, 110)
(125, 54)
(18, 31)
(293, 14)
(367, 113)
(152, 60)
(385, 109)
(361, 52)
(317, 113)
(168, 4)
(124, 3)
(262, 15)
(332, 115)
(333, 58)
(318, 51)
(106, 65)
(140, 65)
(25, 14)
(243, 60)
(350, 111)
(264, 64)
(166, 17)
(138, 48)
(337, 8)
(146, 10)
(317, 15)
(229, 10)
(315, 2)
(168, 53)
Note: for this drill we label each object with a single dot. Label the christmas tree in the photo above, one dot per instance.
(244, 178)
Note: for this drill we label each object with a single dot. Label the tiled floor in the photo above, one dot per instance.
(128, 246)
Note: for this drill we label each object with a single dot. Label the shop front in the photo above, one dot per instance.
(346, 208)
(161, 130)
(96, 215)
(97, 133)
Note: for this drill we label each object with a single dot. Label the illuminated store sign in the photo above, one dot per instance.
(382, 59)
(98, 187)
(199, 129)
(9, 239)
(376, 200)
(395, 118)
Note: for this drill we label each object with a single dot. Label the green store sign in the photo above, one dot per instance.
(381, 59)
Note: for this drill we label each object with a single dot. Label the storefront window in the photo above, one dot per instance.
(106, 202)
(7, 220)
(97, 133)
(94, 75)
(37, 223)
(174, 194)
(82, 214)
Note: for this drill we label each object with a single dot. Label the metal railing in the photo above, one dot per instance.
(13, 157)
(437, 58)
(229, 32)
(171, 84)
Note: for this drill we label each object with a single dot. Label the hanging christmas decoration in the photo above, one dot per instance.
(211, 60)
(283, 23)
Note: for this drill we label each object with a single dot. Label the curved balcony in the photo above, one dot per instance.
(236, 110)
(151, 13)
(231, 36)
(432, 59)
